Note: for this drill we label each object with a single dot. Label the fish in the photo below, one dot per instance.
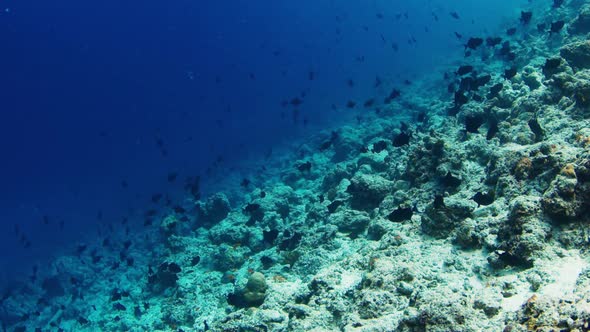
(511, 31)
(473, 43)
(296, 101)
(510, 73)
(369, 102)
(525, 17)
(179, 209)
(400, 214)
(379, 146)
(172, 176)
(454, 15)
(473, 122)
(304, 167)
(156, 197)
(350, 83)
(251, 207)
(392, 95)
(458, 35)
(332, 207)
(119, 307)
(493, 41)
(350, 104)
(311, 75)
(377, 82)
(484, 198)
(245, 182)
(124, 184)
(495, 90)
(463, 70)
(557, 3)
(401, 139)
(460, 99)
(556, 26)
(492, 129)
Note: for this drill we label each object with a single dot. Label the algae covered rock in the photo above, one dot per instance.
(253, 294)
(214, 210)
(577, 54)
(582, 23)
(368, 191)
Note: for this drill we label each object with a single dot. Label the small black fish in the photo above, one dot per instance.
(262, 194)
(156, 198)
(332, 207)
(400, 214)
(484, 198)
(450, 180)
(525, 17)
(473, 43)
(305, 167)
(119, 307)
(473, 122)
(557, 3)
(536, 129)
(510, 73)
(350, 83)
(466, 69)
(460, 99)
(439, 202)
(179, 209)
(245, 183)
(454, 15)
(556, 26)
(551, 65)
(511, 31)
(379, 146)
(401, 140)
(458, 35)
(151, 213)
(251, 207)
(311, 75)
(296, 101)
(172, 176)
(492, 129)
(350, 104)
(493, 41)
(124, 184)
(495, 90)
(369, 102)
(377, 81)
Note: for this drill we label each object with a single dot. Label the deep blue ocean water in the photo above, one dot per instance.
(101, 100)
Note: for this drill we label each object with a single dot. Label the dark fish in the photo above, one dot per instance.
(156, 198)
(350, 83)
(460, 99)
(511, 31)
(369, 102)
(179, 209)
(439, 202)
(495, 90)
(454, 15)
(400, 214)
(245, 183)
(296, 101)
(82, 321)
(151, 213)
(492, 129)
(466, 69)
(556, 27)
(458, 35)
(124, 184)
(510, 73)
(379, 146)
(525, 17)
(304, 167)
(350, 104)
(473, 43)
(394, 46)
(473, 122)
(311, 76)
(557, 3)
(172, 176)
(251, 207)
(377, 81)
(332, 207)
(484, 198)
(401, 139)
(46, 220)
(551, 65)
(119, 307)
(450, 180)
(252, 76)
(536, 129)
(379, 16)
(195, 260)
(262, 194)
(493, 41)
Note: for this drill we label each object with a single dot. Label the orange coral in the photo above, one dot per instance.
(569, 171)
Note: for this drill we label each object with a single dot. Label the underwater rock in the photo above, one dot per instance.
(252, 295)
(368, 191)
(577, 54)
(524, 234)
(582, 23)
(214, 210)
(352, 222)
(568, 194)
(440, 221)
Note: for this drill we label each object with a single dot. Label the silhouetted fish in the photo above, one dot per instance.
(556, 26)
(557, 3)
(458, 35)
(525, 17)
(172, 176)
(510, 73)
(245, 183)
(369, 102)
(350, 104)
(304, 167)
(454, 15)
(466, 69)
(473, 43)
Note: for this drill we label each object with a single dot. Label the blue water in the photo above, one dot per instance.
(88, 89)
